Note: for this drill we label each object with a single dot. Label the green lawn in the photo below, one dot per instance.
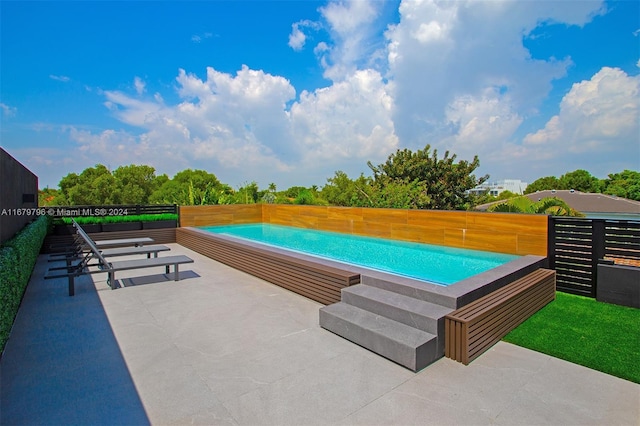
(581, 330)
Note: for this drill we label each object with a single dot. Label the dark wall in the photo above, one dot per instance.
(619, 285)
(18, 192)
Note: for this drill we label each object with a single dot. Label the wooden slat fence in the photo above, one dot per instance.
(576, 245)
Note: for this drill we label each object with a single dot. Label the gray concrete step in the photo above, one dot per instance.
(413, 312)
(405, 345)
(411, 288)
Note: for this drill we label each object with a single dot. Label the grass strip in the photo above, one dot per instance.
(597, 335)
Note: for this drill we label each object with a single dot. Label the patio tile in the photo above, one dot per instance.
(323, 393)
(223, 347)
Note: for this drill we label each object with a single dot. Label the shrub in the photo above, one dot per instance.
(84, 220)
(18, 257)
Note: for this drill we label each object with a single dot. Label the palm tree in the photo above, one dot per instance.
(551, 205)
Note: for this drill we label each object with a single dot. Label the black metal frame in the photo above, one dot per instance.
(577, 245)
(111, 210)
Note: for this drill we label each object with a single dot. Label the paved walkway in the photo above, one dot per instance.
(223, 347)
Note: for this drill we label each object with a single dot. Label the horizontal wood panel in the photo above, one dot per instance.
(335, 225)
(345, 213)
(420, 234)
(385, 215)
(437, 219)
(487, 240)
(372, 229)
(507, 222)
(220, 214)
(474, 328)
(532, 244)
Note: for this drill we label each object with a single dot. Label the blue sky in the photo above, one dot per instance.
(289, 92)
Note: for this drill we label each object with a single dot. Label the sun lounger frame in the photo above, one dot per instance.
(82, 267)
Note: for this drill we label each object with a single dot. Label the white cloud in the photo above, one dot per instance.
(350, 26)
(197, 38)
(62, 78)
(431, 31)
(298, 38)
(7, 111)
(600, 116)
(241, 127)
(229, 124)
(597, 129)
(349, 121)
(140, 85)
(442, 50)
(478, 122)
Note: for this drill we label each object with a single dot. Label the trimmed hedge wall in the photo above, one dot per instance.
(18, 257)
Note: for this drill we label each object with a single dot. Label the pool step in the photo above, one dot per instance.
(411, 288)
(415, 313)
(408, 346)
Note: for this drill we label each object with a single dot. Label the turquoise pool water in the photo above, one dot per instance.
(436, 264)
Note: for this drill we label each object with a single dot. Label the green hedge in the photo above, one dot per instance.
(118, 219)
(18, 257)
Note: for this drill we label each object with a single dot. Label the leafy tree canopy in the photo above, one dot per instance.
(191, 187)
(580, 180)
(444, 182)
(135, 184)
(625, 184)
(543, 184)
(340, 190)
(95, 185)
(47, 196)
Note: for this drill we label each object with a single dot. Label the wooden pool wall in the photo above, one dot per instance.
(519, 234)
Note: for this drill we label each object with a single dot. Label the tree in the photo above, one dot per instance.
(625, 184)
(293, 191)
(135, 184)
(505, 195)
(305, 197)
(247, 194)
(550, 205)
(47, 196)
(580, 180)
(191, 187)
(95, 185)
(340, 190)
(400, 195)
(543, 184)
(446, 183)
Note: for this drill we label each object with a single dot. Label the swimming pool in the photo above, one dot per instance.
(436, 264)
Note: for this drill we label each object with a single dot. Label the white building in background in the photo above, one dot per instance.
(513, 185)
